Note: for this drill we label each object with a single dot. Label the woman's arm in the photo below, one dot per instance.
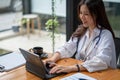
(68, 49)
(55, 57)
(78, 68)
(52, 59)
(65, 51)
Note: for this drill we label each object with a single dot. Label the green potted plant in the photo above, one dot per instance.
(52, 24)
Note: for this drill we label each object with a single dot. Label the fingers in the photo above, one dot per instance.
(60, 70)
(31, 50)
(45, 61)
(57, 69)
(52, 64)
(54, 70)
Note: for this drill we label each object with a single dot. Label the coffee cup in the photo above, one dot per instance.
(38, 50)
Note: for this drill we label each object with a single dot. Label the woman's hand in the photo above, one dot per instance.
(53, 59)
(49, 60)
(61, 68)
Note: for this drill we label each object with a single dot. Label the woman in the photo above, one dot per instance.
(92, 42)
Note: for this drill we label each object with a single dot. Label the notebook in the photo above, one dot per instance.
(35, 65)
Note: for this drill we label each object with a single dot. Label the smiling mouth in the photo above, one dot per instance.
(84, 22)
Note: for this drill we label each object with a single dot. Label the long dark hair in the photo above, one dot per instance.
(97, 9)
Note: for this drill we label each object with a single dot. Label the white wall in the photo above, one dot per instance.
(44, 7)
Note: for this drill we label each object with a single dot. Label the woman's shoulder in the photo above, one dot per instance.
(106, 32)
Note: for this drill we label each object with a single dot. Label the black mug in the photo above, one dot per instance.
(38, 50)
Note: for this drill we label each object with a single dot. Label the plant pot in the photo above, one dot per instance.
(15, 28)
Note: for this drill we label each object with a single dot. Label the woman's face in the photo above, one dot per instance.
(86, 17)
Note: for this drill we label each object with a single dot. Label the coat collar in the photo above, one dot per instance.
(95, 32)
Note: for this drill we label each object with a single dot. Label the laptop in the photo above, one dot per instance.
(35, 65)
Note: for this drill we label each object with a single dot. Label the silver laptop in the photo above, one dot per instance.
(35, 65)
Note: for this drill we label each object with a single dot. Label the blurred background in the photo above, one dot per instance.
(12, 12)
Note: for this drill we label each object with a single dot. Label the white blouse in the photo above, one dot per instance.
(96, 56)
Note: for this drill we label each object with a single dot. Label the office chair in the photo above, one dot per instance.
(117, 47)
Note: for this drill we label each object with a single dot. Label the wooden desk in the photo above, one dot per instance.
(21, 73)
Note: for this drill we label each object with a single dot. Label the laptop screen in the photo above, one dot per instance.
(33, 63)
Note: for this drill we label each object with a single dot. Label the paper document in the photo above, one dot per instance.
(12, 60)
(78, 76)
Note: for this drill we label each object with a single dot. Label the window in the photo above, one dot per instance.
(43, 8)
(112, 8)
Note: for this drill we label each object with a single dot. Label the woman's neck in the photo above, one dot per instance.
(91, 31)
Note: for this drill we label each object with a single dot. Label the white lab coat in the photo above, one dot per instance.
(98, 57)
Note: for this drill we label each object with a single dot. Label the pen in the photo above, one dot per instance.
(82, 79)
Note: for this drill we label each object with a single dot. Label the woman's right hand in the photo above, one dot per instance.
(52, 59)
(50, 62)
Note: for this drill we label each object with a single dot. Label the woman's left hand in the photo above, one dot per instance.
(60, 68)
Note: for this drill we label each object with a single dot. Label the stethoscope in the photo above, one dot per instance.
(95, 44)
(99, 37)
